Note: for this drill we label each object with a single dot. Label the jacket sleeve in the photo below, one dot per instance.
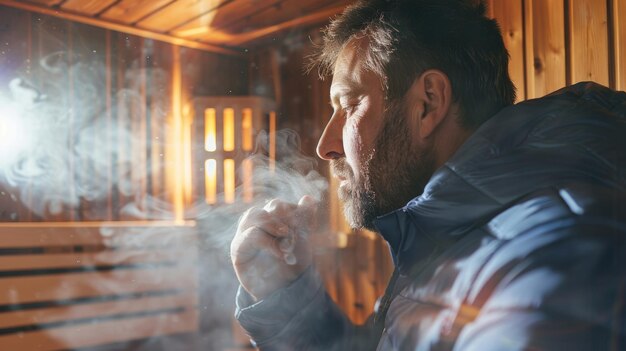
(569, 295)
(299, 317)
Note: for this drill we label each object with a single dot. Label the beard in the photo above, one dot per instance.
(393, 173)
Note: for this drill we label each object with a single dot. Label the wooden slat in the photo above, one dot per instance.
(96, 309)
(105, 258)
(109, 123)
(177, 13)
(287, 11)
(117, 27)
(509, 14)
(232, 12)
(131, 11)
(86, 7)
(589, 41)
(46, 2)
(619, 39)
(107, 234)
(101, 333)
(92, 284)
(545, 47)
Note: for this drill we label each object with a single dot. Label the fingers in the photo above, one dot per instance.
(248, 244)
(277, 228)
(260, 218)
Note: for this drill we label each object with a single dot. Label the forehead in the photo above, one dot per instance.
(350, 71)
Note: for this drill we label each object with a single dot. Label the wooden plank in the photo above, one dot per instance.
(85, 335)
(545, 47)
(139, 143)
(86, 7)
(118, 27)
(46, 2)
(96, 309)
(177, 13)
(91, 284)
(218, 37)
(104, 258)
(509, 15)
(231, 12)
(131, 11)
(109, 124)
(619, 39)
(287, 11)
(588, 41)
(16, 236)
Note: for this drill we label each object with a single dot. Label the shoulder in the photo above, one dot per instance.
(561, 242)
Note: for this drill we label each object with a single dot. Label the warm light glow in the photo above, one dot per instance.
(229, 129)
(246, 129)
(247, 173)
(272, 147)
(210, 181)
(210, 130)
(229, 181)
(187, 152)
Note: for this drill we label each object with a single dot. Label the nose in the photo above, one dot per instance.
(330, 145)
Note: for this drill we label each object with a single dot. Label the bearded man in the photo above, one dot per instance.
(506, 222)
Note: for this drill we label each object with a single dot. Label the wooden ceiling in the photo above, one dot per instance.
(214, 25)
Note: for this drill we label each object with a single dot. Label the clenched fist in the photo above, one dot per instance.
(271, 248)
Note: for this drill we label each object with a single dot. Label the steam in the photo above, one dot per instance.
(50, 138)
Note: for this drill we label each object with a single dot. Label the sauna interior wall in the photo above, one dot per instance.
(552, 43)
(143, 67)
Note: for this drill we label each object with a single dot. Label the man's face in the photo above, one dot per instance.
(372, 146)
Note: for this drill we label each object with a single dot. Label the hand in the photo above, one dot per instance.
(270, 248)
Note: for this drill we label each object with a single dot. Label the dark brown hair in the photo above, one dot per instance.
(407, 37)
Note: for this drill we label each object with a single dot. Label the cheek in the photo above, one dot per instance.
(354, 146)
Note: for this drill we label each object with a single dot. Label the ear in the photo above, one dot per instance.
(430, 98)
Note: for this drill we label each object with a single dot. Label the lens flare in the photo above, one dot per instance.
(14, 134)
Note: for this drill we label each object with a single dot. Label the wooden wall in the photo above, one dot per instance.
(554, 43)
(145, 89)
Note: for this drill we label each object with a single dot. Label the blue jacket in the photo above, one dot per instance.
(517, 243)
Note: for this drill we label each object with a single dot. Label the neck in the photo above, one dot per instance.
(448, 139)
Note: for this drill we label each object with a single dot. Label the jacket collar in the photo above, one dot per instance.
(509, 156)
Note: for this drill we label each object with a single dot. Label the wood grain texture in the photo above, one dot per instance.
(232, 12)
(619, 42)
(131, 11)
(45, 2)
(84, 335)
(177, 13)
(588, 41)
(509, 14)
(96, 259)
(96, 309)
(87, 7)
(106, 234)
(545, 47)
(27, 289)
(116, 26)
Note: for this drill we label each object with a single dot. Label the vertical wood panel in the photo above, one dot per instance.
(589, 41)
(619, 40)
(545, 46)
(108, 71)
(508, 13)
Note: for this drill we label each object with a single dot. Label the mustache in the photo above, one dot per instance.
(341, 169)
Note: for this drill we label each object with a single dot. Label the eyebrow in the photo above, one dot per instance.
(350, 89)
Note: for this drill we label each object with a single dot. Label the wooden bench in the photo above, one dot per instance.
(72, 285)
